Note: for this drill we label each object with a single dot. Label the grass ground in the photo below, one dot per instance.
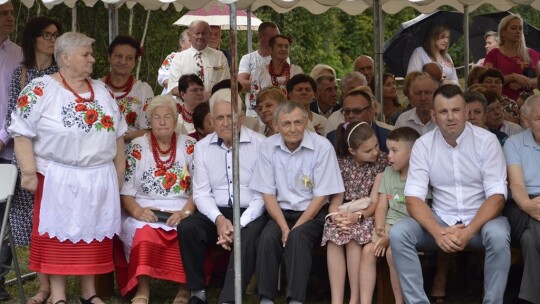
(458, 290)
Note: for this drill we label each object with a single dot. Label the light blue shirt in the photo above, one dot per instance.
(462, 177)
(296, 177)
(213, 176)
(522, 150)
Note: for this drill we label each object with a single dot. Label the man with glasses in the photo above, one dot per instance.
(358, 107)
(213, 195)
(495, 115)
(421, 97)
(10, 58)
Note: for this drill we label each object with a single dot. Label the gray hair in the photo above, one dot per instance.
(527, 106)
(493, 34)
(183, 36)
(162, 101)
(287, 107)
(316, 71)
(67, 43)
(353, 76)
(223, 95)
(324, 77)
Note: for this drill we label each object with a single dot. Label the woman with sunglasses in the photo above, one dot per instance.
(38, 40)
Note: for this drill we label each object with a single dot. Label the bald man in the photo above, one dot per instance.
(200, 59)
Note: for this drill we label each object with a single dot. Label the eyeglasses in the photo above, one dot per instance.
(355, 111)
(49, 36)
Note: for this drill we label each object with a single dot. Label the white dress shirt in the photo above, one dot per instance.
(296, 177)
(214, 62)
(461, 177)
(213, 176)
(410, 119)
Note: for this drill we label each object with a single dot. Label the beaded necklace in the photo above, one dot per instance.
(156, 150)
(126, 87)
(64, 82)
(286, 70)
(185, 114)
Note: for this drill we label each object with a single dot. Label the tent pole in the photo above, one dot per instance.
(466, 46)
(378, 30)
(130, 22)
(74, 18)
(113, 22)
(249, 31)
(236, 164)
(142, 43)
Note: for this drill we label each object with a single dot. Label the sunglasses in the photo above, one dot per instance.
(355, 111)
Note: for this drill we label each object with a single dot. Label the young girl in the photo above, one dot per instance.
(360, 162)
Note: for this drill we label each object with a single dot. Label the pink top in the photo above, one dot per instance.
(509, 65)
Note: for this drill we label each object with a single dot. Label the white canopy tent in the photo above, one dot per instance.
(351, 7)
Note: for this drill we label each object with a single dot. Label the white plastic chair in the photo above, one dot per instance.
(8, 178)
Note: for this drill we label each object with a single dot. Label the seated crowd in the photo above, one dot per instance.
(142, 185)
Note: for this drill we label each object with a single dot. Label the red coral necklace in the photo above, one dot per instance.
(64, 82)
(156, 150)
(186, 115)
(286, 70)
(126, 87)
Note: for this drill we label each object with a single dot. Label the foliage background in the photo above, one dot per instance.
(333, 38)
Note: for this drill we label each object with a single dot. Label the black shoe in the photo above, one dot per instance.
(4, 295)
(196, 300)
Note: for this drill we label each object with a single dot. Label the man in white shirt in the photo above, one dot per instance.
(421, 97)
(465, 167)
(250, 62)
(296, 172)
(200, 59)
(213, 195)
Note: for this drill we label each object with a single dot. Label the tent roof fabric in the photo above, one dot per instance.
(352, 7)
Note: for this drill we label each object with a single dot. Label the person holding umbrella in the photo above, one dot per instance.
(435, 49)
(518, 63)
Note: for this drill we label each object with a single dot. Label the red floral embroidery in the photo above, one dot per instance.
(145, 107)
(22, 102)
(185, 183)
(79, 100)
(38, 91)
(91, 117)
(160, 172)
(190, 149)
(136, 154)
(107, 122)
(169, 180)
(81, 107)
(130, 118)
(122, 108)
(165, 62)
(127, 165)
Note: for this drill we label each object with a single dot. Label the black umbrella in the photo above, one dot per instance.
(398, 50)
(490, 22)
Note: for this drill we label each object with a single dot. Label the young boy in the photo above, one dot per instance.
(390, 209)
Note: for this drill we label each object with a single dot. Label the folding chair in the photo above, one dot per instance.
(8, 178)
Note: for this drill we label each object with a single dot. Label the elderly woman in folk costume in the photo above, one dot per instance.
(69, 142)
(156, 196)
(132, 95)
